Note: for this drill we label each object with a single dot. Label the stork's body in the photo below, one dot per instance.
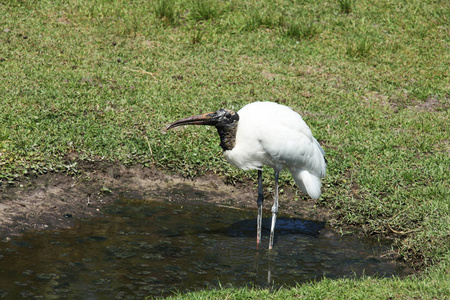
(267, 133)
(276, 136)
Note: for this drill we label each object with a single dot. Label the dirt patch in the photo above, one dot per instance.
(55, 200)
(432, 104)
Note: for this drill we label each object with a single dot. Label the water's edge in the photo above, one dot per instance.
(155, 248)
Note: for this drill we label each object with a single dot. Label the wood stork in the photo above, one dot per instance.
(267, 133)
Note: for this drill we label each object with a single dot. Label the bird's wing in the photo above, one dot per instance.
(291, 147)
(277, 136)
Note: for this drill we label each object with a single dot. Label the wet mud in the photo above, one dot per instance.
(55, 200)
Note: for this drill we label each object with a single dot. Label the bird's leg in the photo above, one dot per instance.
(274, 211)
(260, 206)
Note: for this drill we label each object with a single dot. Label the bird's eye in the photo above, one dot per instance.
(228, 115)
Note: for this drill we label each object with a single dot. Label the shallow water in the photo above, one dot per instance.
(154, 249)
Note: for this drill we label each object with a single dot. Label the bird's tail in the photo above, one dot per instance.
(309, 184)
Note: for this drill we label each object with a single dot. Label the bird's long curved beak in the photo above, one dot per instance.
(210, 118)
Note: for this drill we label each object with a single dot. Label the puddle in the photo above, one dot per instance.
(154, 249)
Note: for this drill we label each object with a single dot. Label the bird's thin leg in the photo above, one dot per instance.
(260, 206)
(274, 211)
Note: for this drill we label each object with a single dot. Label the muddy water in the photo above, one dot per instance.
(154, 249)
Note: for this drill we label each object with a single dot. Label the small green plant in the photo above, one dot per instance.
(203, 10)
(132, 26)
(360, 48)
(345, 6)
(302, 30)
(197, 36)
(166, 11)
(257, 19)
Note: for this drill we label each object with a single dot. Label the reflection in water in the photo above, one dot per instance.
(154, 249)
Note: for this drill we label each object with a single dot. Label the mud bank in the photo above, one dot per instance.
(55, 200)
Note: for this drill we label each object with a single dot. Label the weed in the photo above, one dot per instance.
(301, 30)
(166, 11)
(197, 35)
(345, 6)
(132, 27)
(203, 10)
(360, 48)
(257, 18)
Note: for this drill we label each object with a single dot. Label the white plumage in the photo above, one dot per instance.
(267, 133)
(276, 136)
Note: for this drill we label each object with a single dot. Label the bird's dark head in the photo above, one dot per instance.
(220, 118)
(224, 120)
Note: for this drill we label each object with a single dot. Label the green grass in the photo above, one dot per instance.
(436, 285)
(166, 11)
(204, 10)
(302, 30)
(100, 80)
(345, 6)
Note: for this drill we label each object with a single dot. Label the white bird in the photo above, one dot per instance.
(267, 133)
